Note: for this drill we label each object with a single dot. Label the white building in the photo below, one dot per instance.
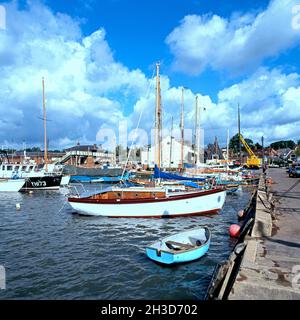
(170, 156)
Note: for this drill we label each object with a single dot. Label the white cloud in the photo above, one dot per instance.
(237, 44)
(87, 89)
(85, 86)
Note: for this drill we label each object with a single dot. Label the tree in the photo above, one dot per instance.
(258, 146)
(234, 143)
(283, 144)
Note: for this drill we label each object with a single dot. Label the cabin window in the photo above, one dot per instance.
(3, 167)
(119, 194)
(23, 168)
(30, 168)
(17, 168)
(9, 168)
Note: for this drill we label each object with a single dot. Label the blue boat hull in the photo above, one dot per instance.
(171, 258)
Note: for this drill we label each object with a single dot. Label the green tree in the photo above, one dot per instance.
(234, 143)
(283, 144)
(258, 146)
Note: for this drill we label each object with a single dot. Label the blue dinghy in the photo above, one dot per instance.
(181, 247)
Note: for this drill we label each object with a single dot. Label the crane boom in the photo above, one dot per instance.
(249, 150)
(253, 161)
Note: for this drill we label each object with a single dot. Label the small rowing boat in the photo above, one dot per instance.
(181, 247)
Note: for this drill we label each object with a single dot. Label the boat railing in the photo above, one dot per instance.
(79, 190)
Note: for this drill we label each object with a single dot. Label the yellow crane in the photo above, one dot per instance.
(253, 162)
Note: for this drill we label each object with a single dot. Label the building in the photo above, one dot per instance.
(88, 155)
(37, 157)
(170, 154)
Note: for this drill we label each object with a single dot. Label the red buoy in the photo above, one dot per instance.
(234, 230)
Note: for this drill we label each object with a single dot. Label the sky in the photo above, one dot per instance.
(98, 60)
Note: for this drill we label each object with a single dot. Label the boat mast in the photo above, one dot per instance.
(196, 138)
(227, 146)
(171, 142)
(158, 119)
(45, 127)
(182, 125)
(239, 128)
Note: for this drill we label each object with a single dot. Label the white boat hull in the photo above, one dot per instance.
(11, 185)
(65, 180)
(163, 208)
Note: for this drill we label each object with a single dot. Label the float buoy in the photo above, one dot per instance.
(241, 213)
(234, 230)
(18, 206)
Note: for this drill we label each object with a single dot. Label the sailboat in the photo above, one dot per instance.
(44, 179)
(147, 202)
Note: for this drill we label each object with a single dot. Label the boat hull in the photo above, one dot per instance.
(206, 202)
(159, 251)
(169, 258)
(65, 180)
(11, 185)
(42, 183)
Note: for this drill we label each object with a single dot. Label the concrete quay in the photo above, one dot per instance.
(270, 267)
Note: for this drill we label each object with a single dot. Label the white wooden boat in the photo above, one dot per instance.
(149, 203)
(11, 185)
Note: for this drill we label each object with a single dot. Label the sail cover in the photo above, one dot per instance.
(171, 176)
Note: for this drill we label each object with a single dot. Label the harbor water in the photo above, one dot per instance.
(49, 252)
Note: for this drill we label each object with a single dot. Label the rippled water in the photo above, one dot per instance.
(51, 253)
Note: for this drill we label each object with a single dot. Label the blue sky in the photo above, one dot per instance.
(98, 57)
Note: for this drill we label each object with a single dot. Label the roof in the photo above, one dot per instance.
(84, 148)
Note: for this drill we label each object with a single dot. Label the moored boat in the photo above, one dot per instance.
(11, 185)
(140, 202)
(42, 183)
(181, 247)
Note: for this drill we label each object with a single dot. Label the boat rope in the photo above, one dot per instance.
(138, 125)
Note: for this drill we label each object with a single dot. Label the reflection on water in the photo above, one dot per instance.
(51, 253)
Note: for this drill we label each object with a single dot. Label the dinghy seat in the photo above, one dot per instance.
(173, 245)
(197, 242)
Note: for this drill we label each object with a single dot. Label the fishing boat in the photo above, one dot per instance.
(11, 185)
(141, 202)
(42, 183)
(181, 247)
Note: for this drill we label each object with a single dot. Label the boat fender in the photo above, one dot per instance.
(234, 230)
(241, 213)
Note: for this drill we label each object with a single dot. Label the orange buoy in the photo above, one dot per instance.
(234, 230)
